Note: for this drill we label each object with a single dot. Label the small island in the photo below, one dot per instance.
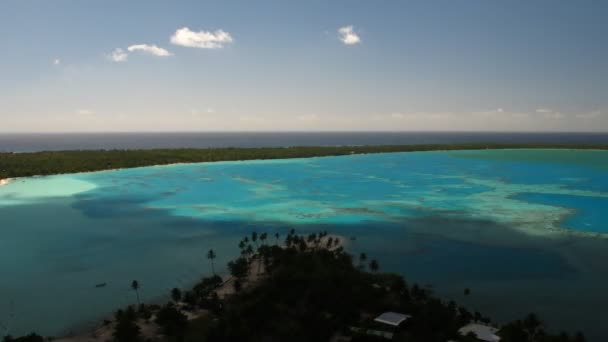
(304, 288)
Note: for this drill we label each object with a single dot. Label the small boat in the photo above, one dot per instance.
(100, 285)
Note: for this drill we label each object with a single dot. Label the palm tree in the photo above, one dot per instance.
(532, 326)
(288, 240)
(254, 238)
(276, 236)
(135, 287)
(263, 237)
(362, 259)
(249, 250)
(176, 294)
(211, 255)
(467, 291)
(374, 266)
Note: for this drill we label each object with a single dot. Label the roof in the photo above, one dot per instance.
(392, 318)
(481, 331)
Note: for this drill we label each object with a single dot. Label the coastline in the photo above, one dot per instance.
(103, 330)
(92, 161)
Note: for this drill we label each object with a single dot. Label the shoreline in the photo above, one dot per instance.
(321, 152)
(103, 332)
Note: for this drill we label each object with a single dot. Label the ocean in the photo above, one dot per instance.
(525, 230)
(96, 141)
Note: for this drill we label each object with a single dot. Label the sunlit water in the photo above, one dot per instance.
(525, 230)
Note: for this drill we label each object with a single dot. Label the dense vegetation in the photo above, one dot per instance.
(57, 162)
(309, 289)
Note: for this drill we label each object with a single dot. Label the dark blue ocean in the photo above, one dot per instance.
(85, 141)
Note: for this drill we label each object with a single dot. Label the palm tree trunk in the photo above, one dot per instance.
(212, 267)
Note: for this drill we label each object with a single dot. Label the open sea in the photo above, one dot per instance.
(525, 230)
(96, 141)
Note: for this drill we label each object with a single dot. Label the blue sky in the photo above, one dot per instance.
(303, 65)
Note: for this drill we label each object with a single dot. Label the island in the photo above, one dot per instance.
(43, 163)
(304, 288)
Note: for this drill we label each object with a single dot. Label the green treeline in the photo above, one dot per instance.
(57, 162)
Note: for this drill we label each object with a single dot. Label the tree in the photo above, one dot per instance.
(239, 268)
(276, 236)
(467, 291)
(211, 255)
(29, 338)
(237, 285)
(532, 326)
(374, 266)
(362, 259)
(126, 329)
(249, 250)
(176, 294)
(288, 240)
(254, 238)
(172, 321)
(263, 237)
(135, 287)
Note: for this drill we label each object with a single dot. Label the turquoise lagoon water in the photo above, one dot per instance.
(525, 230)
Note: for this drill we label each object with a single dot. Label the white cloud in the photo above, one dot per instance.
(553, 115)
(202, 39)
(348, 36)
(56, 61)
(85, 112)
(591, 115)
(118, 55)
(544, 110)
(150, 49)
(308, 117)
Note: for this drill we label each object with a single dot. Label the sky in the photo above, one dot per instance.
(315, 65)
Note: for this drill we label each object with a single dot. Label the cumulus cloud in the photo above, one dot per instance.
(348, 36)
(150, 49)
(201, 39)
(118, 55)
(56, 61)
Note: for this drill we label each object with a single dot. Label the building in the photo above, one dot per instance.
(392, 318)
(481, 331)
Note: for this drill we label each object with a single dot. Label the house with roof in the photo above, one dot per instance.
(482, 332)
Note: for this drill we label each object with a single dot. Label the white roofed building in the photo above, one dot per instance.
(392, 318)
(481, 331)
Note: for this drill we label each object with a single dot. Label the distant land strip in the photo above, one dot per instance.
(13, 165)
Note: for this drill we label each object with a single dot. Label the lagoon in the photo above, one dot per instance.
(523, 229)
